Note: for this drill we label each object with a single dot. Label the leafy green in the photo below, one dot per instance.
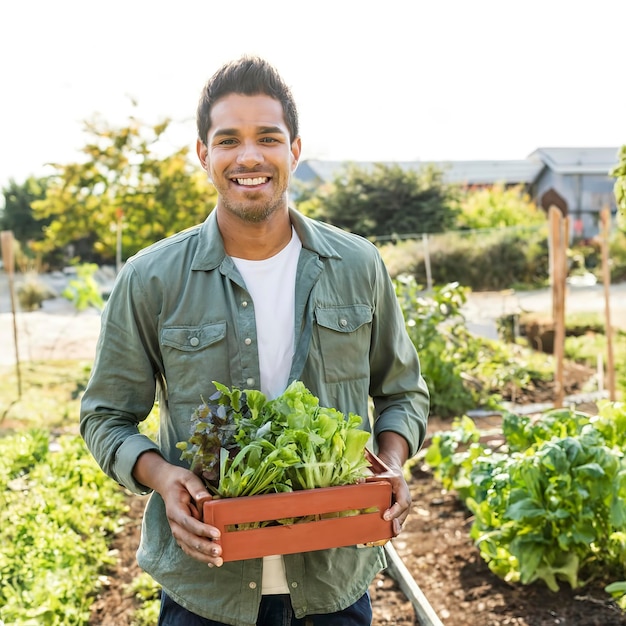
(58, 513)
(549, 503)
(243, 444)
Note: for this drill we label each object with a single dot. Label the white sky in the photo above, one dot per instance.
(385, 80)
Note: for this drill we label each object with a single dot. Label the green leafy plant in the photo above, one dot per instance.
(83, 290)
(148, 592)
(463, 371)
(242, 444)
(58, 512)
(549, 502)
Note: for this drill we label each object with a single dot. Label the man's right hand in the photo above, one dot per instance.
(181, 489)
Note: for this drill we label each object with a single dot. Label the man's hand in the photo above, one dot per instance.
(180, 490)
(393, 450)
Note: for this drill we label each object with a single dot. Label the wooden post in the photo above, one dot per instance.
(429, 276)
(605, 218)
(8, 260)
(559, 232)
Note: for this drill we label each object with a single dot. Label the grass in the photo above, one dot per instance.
(50, 395)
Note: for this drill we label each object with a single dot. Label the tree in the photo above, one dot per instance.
(498, 207)
(123, 176)
(17, 214)
(384, 200)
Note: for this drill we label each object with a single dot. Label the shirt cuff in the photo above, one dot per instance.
(127, 454)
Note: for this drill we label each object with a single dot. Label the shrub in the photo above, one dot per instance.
(499, 259)
(32, 293)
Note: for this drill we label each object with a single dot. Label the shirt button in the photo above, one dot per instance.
(194, 341)
(294, 584)
(247, 341)
(244, 304)
(252, 585)
(343, 322)
(250, 382)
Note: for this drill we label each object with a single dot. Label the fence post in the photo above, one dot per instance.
(559, 232)
(8, 260)
(429, 276)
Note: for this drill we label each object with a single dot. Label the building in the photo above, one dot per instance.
(577, 180)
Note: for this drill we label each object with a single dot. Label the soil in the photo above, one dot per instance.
(437, 551)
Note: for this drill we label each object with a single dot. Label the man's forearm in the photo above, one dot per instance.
(393, 448)
(149, 470)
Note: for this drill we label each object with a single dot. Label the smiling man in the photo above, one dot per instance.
(249, 154)
(255, 297)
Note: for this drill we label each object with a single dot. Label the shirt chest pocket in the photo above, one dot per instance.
(193, 355)
(193, 338)
(344, 336)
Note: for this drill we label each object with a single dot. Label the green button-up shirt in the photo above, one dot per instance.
(179, 317)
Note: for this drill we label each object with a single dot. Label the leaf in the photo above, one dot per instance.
(526, 508)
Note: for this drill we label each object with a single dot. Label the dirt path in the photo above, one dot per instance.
(49, 335)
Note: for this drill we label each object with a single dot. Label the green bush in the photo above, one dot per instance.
(617, 256)
(483, 261)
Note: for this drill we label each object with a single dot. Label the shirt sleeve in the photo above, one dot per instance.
(121, 390)
(397, 387)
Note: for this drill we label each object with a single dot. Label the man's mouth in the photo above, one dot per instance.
(250, 182)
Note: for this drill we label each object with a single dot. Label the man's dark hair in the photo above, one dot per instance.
(248, 76)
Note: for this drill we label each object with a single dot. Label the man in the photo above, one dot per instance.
(255, 297)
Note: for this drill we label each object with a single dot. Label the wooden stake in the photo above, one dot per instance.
(8, 260)
(559, 229)
(605, 218)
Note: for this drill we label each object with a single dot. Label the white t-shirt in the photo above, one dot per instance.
(272, 284)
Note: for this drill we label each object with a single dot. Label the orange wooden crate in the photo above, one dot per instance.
(301, 536)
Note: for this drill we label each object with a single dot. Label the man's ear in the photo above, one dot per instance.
(296, 149)
(203, 152)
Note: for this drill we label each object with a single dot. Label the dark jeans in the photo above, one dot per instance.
(274, 611)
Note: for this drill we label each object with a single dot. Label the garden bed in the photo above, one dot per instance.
(437, 551)
(443, 561)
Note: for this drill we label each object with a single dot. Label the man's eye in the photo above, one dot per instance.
(268, 140)
(227, 142)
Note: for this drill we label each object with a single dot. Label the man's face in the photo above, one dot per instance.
(249, 156)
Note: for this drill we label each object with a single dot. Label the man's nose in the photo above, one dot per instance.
(249, 154)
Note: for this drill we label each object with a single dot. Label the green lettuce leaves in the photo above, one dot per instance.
(243, 444)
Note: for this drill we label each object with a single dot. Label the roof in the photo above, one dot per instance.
(512, 172)
(577, 160)
(487, 172)
(462, 172)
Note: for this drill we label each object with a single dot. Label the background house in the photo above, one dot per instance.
(578, 178)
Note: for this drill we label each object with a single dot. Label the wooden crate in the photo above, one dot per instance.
(302, 536)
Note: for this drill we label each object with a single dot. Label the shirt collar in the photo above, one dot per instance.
(210, 252)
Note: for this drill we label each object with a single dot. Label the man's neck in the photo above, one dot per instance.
(254, 241)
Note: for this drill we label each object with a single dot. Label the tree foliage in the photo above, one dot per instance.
(497, 207)
(383, 200)
(123, 176)
(17, 213)
(619, 171)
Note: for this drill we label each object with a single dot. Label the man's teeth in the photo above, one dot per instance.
(252, 181)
